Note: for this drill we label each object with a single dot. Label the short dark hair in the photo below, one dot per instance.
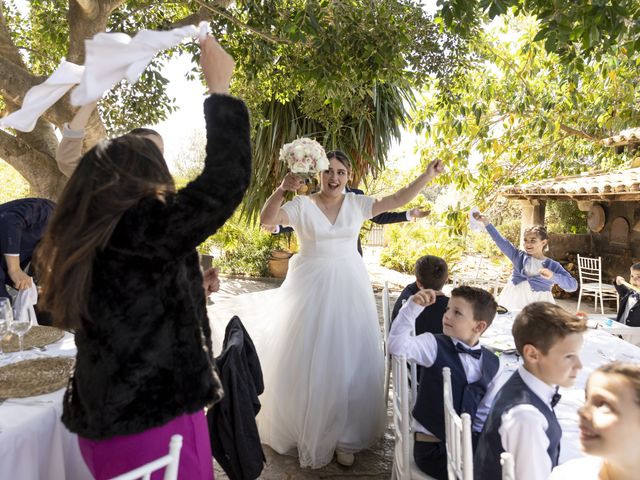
(483, 303)
(341, 157)
(635, 266)
(431, 272)
(144, 131)
(542, 324)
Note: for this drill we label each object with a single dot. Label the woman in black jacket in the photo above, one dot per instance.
(120, 268)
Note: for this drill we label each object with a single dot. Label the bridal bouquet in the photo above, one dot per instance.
(304, 157)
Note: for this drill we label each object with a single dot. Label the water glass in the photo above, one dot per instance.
(6, 314)
(19, 325)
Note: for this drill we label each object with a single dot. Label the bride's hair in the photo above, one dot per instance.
(341, 157)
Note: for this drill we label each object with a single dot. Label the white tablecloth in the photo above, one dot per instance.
(34, 444)
(599, 348)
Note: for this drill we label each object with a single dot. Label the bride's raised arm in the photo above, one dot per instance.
(408, 192)
(271, 213)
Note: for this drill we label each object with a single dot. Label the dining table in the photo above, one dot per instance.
(34, 444)
(599, 348)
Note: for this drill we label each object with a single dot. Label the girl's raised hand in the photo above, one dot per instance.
(481, 218)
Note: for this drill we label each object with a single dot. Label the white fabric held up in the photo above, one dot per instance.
(110, 57)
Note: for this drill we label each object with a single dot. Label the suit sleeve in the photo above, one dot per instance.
(389, 217)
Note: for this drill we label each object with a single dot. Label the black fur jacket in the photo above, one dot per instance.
(145, 355)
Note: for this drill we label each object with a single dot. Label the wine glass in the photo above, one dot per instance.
(19, 325)
(6, 313)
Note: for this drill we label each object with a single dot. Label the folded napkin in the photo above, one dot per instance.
(25, 300)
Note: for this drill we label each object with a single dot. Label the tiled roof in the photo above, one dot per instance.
(626, 137)
(621, 185)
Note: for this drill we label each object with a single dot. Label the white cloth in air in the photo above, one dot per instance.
(110, 57)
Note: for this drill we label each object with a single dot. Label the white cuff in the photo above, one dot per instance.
(409, 216)
(69, 133)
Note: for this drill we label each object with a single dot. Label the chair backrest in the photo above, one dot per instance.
(169, 461)
(386, 313)
(458, 435)
(590, 269)
(401, 418)
(508, 466)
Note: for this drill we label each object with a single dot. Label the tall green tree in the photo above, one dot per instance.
(339, 71)
(521, 113)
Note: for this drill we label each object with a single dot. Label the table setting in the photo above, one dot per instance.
(35, 364)
(599, 348)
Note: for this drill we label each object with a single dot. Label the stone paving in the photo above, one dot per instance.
(376, 462)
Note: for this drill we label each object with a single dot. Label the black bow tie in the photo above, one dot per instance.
(474, 353)
(556, 398)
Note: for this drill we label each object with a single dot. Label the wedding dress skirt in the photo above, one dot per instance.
(318, 338)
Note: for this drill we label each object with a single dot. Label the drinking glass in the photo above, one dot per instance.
(5, 317)
(19, 325)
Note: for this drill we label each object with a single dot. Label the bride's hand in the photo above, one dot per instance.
(291, 182)
(435, 168)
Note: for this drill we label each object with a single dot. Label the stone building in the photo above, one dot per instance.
(612, 200)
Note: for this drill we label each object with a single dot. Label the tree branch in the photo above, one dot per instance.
(36, 167)
(223, 13)
(579, 133)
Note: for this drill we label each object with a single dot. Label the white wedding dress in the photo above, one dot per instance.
(318, 339)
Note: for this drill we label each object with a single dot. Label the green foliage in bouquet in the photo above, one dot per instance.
(409, 241)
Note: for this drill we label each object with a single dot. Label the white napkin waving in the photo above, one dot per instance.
(110, 57)
(25, 300)
(39, 98)
(475, 225)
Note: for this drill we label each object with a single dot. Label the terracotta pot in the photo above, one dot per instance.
(278, 263)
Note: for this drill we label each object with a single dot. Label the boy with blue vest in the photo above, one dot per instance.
(474, 369)
(522, 420)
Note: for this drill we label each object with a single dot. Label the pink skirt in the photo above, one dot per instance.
(117, 455)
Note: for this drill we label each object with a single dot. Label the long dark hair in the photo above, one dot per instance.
(111, 178)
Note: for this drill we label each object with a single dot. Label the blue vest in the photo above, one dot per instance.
(514, 392)
(429, 408)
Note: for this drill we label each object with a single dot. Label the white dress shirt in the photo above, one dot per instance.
(423, 350)
(585, 468)
(522, 432)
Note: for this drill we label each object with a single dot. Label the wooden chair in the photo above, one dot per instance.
(170, 461)
(404, 467)
(590, 273)
(458, 435)
(508, 467)
(386, 316)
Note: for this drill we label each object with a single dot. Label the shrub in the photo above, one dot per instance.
(406, 242)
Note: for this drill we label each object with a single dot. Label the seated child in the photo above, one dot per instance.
(474, 369)
(533, 274)
(629, 313)
(609, 427)
(522, 420)
(431, 273)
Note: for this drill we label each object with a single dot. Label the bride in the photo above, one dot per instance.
(318, 335)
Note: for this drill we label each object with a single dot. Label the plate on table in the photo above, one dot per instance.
(501, 344)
